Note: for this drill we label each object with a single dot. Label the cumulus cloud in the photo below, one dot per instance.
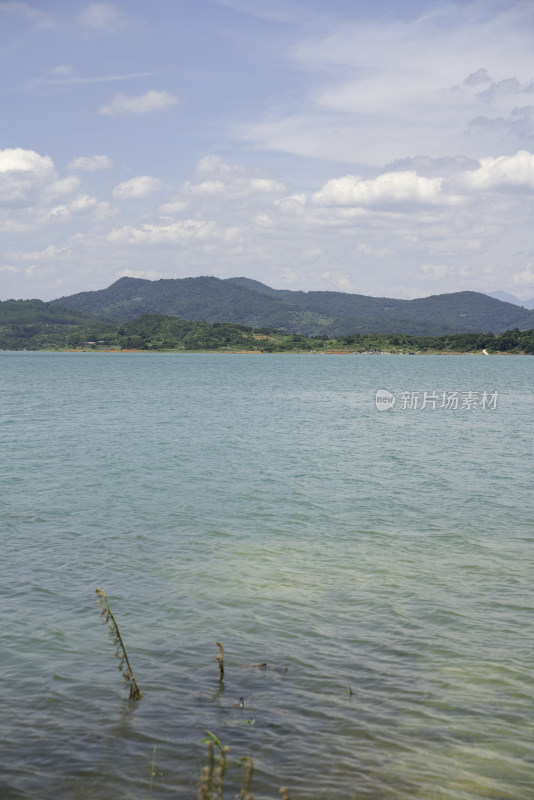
(140, 104)
(91, 163)
(137, 188)
(505, 172)
(216, 178)
(23, 176)
(391, 188)
(16, 159)
(26, 177)
(103, 18)
(33, 195)
(231, 219)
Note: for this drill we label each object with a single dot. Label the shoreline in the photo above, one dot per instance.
(127, 351)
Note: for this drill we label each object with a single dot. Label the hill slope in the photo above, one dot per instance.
(32, 324)
(251, 303)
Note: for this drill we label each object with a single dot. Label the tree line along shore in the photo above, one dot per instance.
(160, 333)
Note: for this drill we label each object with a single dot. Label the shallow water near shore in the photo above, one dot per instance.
(381, 564)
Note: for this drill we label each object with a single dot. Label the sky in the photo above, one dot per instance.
(381, 148)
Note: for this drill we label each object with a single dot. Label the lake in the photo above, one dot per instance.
(379, 561)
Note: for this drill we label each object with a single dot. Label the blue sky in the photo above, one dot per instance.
(381, 148)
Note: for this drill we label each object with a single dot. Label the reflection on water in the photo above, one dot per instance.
(379, 563)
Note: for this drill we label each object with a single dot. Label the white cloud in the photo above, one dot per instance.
(525, 277)
(103, 18)
(394, 188)
(505, 172)
(214, 178)
(33, 195)
(183, 232)
(91, 163)
(83, 203)
(173, 207)
(137, 188)
(140, 104)
(236, 187)
(19, 160)
(26, 179)
(58, 214)
(367, 235)
(63, 186)
(50, 253)
(23, 175)
(294, 202)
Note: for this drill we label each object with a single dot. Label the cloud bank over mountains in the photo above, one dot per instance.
(343, 150)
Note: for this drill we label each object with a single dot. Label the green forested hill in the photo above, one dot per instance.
(33, 324)
(248, 302)
(205, 298)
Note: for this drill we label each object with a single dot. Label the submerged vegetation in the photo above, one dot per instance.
(33, 325)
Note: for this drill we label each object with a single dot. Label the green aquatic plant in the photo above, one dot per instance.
(120, 650)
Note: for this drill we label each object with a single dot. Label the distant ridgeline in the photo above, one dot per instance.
(331, 314)
(35, 325)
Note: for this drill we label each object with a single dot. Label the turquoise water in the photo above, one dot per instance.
(381, 563)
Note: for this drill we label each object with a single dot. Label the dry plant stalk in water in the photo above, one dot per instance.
(120, 651)
(220, 660)
(211, 781)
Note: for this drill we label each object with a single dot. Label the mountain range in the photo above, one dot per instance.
(249, 302)
(511, 298)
